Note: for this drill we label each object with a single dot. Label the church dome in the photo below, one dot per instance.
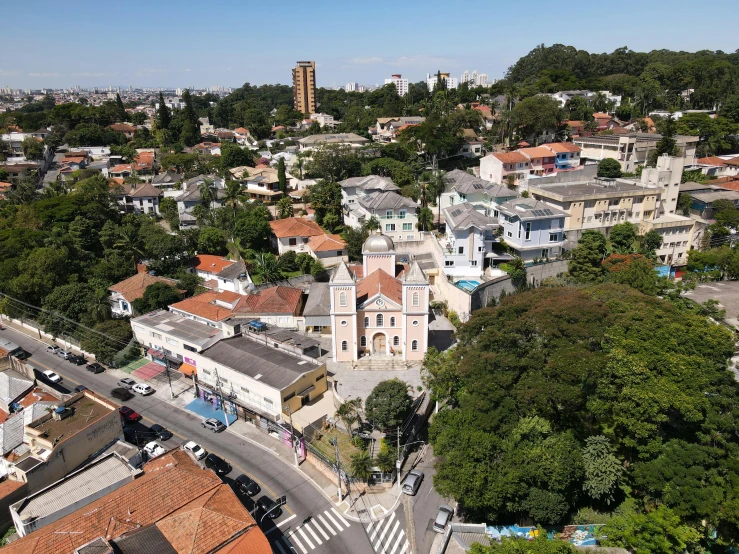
(378, 244)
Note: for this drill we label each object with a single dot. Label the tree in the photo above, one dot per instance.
(288, 261)
(281, 176)
(425, 220)
(622, 237)
(536, 115)
(388, 404)
(265, 265)
(164, 118)
(212, 241)
(373, 224)
(585, 263)
(157, 296)
(325, 197)
(106, 339)
(386, 461)
(70, 301)
(33, 149)
(516, 268)
(609, 168)
(658, 531)
(190, 283)
(208, 192)
(667, 144)
(233, 155)
(348, 413)
(603, 470)
(515, 545)
(316, 268)
(122, 114)
(360, 465)
(334, 163)
(355, 240)
(284, 208)
(252, 230)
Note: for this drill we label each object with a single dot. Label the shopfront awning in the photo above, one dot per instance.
(187, 369)
(307, 391)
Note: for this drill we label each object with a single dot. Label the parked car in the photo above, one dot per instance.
(198, 451)
(66, 354)
(143, 389)
(121, 394)
(443, 517)
(266, 504)
(129, 414)
(52, 377)
(80, 388)
(412, 482)
(53, 348)
(20, 354)
(153, 449)
(246, 485)
(161, 433)
(217, 464)
(257, 326)
(95, 368)
(214, 425)
(126, 382)
(77, 360)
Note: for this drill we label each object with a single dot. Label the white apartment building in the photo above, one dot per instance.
(354, 87)
(451, 82)
(324, 119)
(401, 85)
(633, 149)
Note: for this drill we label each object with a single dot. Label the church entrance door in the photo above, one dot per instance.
(379, 344)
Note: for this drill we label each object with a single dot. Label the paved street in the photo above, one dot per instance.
(310, 521)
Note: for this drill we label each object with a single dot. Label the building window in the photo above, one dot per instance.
(553, 237)
(414, 346)
(527, 236)
(244, 389)
(344, 346)
(379, 320)
(362, 341)
(407, 226)
(401, 214)
(416, 299)
(292, 241)
(343, 322)
(415, 323)
(392, 322)
(208, 373)
(389, 214)
(460, 250)
(396, 340)
(339, 252)
(268, 401)
(288, 397)
(172, 341)
(189, 348)
(448, 263)
(390, 227)
(509, 234)
(366, 322)
(156, 335)
(342, 299)
(319, 378)
(473, 263)
(545, 252)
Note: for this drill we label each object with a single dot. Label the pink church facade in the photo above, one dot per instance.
(379, 314)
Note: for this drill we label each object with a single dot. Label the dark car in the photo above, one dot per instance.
(77, 360)
(80, 388)
(246, 485)
(128, 414)
(266, 504)
(135, 436)
(21, 354)
(95, 368)
(161, 433)
(217, 464)
(121, 394)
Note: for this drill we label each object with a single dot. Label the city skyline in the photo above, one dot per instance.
(145, 56)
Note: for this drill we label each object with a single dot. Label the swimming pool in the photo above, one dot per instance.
(468, 284)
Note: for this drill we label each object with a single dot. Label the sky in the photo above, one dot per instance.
(199, 44)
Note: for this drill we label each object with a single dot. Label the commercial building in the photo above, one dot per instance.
(401, 85)
(432, 81)
(304, 87)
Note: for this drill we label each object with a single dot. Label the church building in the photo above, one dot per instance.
(379, 308)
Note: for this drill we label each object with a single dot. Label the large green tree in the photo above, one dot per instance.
(585, 262)
(388, 404)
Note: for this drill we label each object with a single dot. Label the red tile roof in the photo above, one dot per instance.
(379, 281)
(190, 506)
(276, 300)
(325, 243)
(511, 157)
(241, 130)
(134, 287)
(211, 263)
(204, 305)
(123, 128)
(295, 227)
(601, 115)
(712, 160)
(560, 147)
(536, 152)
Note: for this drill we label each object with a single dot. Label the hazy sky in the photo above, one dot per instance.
(199, 44)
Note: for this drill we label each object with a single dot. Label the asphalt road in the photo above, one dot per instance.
(427, 502)
(308, 519)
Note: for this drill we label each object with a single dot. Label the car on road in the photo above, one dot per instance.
(52, 377)
(443, 517)
(412, 482)
(129, 414)
(77, 360)
(161, 433)
(95, 368)
(198, 451)
(20, 354)
(154, 449)
(80, 388)
(214, 425)
(126, 383)
(53, 348)
(135, 436)
(217, 464)
(121, 394)
(246, 485)
(143, 389)
(268, 505)
(65, 354)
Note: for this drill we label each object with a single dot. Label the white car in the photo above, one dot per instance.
(154, 449)
(52, 377)
(198, 451)
(142, 388)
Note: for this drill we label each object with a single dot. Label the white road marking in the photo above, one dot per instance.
(327, 525)
(345, 522)
(405, 547)
(397, 542)
(294, 539)
(284, 521)
(382, 536)
(320, 529)
(308, 528)
(328, 515)
(390, 536)
(305, 537)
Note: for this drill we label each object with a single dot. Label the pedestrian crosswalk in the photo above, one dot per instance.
(312, 534)
(387, 536)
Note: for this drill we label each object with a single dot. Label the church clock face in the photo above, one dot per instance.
(380, 302)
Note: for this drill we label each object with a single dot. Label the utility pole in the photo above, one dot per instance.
(398, 462)
(292, 434)
(223, 402)
(169, 379)
(335, 442)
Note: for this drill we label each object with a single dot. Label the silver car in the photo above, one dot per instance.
(443, 517)
(412, 482)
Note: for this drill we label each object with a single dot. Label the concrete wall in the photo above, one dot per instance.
(12, 497)
(587, 172)
(535, 274)
(481, 296)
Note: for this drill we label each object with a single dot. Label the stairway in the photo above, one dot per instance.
(381, 363)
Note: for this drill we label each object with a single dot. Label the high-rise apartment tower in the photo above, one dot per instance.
(304, 87)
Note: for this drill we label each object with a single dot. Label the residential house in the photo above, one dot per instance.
(331, 250)
(243, 137)
(567, 155)
(461, 187)
(211, 308)
(496, 167)
(324, 120)
(221, 274)
(379, 313)
(532, 229)
(468, 239)
(261, 182)
(542, 160)
(167, 180)
(143, 167)
(356, 187)
(137, 198)
(19, 171)
(719, 166)
(277, 306)
(128, 130)
(396, 214)
(124, 293)
(190, 197)
(143, 515)
(206, 127)
(304, 235)
(212, 148)
(386, 129)
(486, 112)
(702, 201)
(348, 139)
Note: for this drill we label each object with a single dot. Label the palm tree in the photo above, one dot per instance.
(208, 192)
(285, 208)
(348, 413)
(129, 241)
(600, 102)
(100, 305)
(372, 224)
(386, 461)
(425, 219)
(360, 465)
(299, 164)
(265, 264)
(436, 187)
(232, 196)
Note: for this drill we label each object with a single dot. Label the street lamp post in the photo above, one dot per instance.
(286, 407)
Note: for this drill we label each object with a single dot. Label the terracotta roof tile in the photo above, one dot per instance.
(379, 281)
(711, 160)
(204, 305)
(295, 227)
(275, 300)
(510, 157)
(325, 243)
(536, 152)
(134, 287)
(562, 147)
(212, 264)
